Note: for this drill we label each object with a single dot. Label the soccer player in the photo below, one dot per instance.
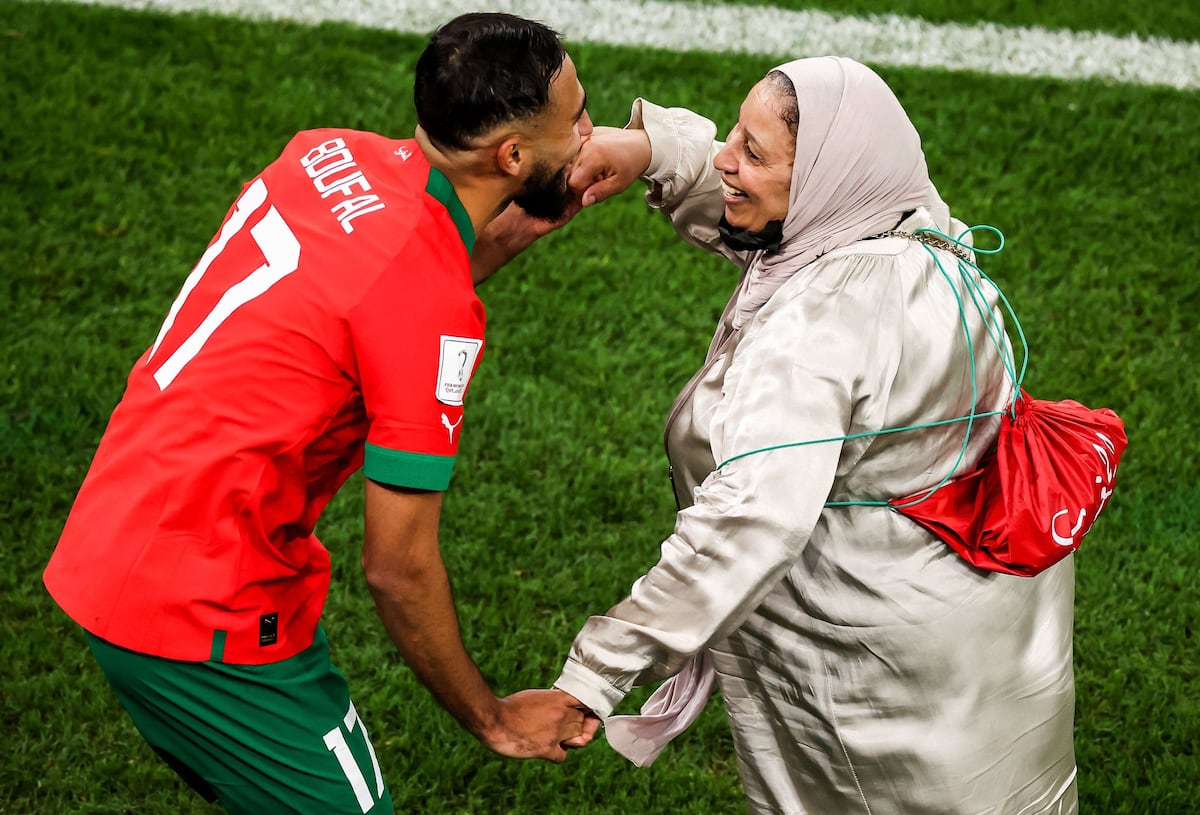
(332, 323)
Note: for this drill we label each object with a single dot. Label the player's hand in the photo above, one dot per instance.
(610, 160)
(539, 724)
(509, 234)
(516, 229)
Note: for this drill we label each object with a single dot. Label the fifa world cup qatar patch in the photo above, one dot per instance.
(457, 361)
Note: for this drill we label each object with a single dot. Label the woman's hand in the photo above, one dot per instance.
(539, 724)
(611, 160)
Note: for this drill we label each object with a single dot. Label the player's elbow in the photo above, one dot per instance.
(383, 574)
(392, 577)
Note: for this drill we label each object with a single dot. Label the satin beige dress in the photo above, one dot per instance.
(864, 667)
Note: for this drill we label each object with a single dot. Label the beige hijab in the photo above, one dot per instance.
(858, 167)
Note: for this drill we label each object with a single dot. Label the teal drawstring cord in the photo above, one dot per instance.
(995, 334)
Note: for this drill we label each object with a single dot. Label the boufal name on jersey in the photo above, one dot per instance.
(333, 172)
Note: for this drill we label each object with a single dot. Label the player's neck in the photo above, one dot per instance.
(483, 193)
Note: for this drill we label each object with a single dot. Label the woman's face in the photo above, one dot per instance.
(756, 163)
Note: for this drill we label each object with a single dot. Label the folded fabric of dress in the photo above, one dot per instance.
(668, 712)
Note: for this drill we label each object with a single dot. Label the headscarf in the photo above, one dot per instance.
(858, 168)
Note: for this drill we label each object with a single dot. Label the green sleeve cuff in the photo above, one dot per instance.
(419, 471)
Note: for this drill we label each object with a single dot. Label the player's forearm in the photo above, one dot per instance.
(417, 609)
(500, 241)
(507, 235)
(487, 258)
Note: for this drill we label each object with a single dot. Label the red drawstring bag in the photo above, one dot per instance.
(1031, 499)
(1034, 497)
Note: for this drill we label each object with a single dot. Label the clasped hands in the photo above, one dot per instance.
(539, 724)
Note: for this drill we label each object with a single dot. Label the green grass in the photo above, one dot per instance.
(1165, 20)
(124, 139)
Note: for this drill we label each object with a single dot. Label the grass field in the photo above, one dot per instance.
(125, 136)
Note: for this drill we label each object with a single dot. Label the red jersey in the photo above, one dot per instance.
(332, 323)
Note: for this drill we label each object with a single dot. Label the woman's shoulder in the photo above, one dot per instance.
(917, 229)
(872, 271)
(860, 269)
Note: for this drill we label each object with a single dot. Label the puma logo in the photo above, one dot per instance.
(451, 427)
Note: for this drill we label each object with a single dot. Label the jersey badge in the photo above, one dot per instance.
(457, 361)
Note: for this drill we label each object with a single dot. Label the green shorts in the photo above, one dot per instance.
(281, 738)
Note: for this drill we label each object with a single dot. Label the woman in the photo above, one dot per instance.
(864, 666)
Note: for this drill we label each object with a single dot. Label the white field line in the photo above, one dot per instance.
(682, 26)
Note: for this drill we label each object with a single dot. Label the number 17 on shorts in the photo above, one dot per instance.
(337, 741)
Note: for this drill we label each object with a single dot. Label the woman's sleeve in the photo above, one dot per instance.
(683, 182)
(793, 380)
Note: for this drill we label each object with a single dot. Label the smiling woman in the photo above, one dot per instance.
(847, 640)
(756, 162)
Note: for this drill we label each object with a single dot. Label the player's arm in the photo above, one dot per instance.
(408, 580)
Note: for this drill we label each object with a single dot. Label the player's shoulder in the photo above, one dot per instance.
(365, 180)
(379, 193)
(346, 135)
(331, 147)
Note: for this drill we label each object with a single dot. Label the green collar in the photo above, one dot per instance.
(440, 188)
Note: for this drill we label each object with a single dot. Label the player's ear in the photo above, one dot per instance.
(511, 155)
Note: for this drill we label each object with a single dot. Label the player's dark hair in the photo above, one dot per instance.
(481, 70)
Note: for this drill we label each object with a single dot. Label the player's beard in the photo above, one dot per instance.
(546, 195)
